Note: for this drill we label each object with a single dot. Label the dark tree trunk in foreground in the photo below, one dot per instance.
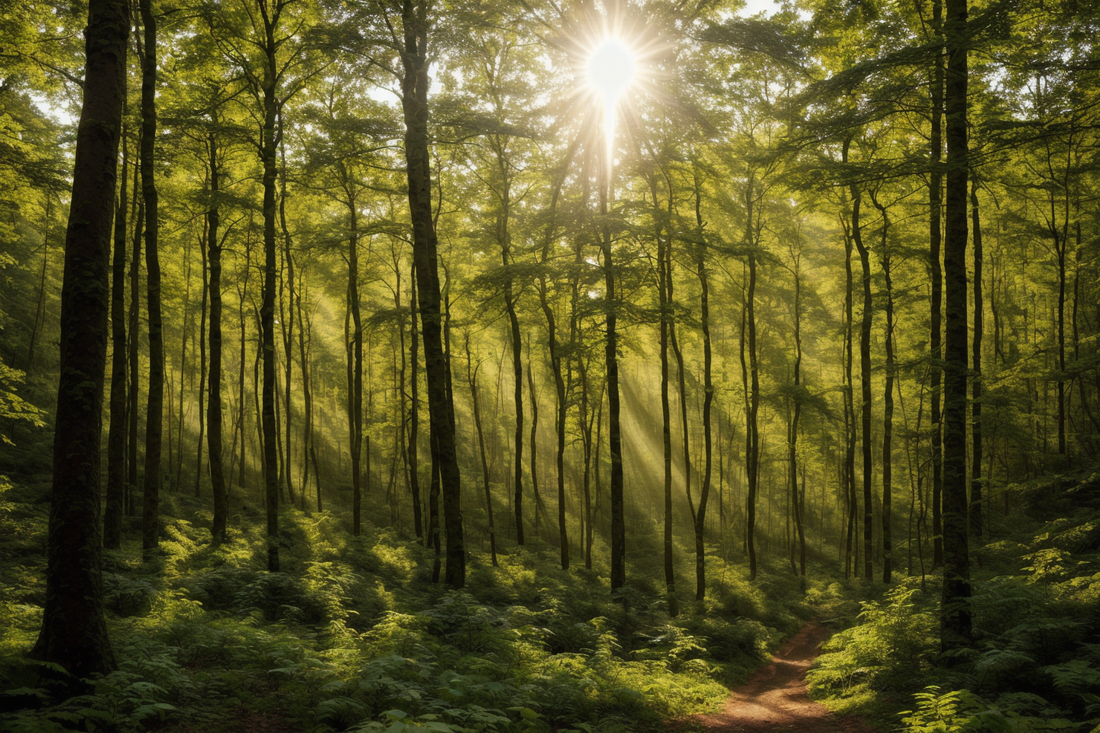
(74, 632)
(214, 404)
(955, 617)
(414, 101)
(154, 423)
(116, 436)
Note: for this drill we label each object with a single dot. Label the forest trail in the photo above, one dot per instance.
(775, 699)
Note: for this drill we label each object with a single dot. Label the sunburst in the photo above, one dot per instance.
(615, 55)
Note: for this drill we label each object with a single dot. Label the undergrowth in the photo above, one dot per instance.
(1035, 661)
(353, 636)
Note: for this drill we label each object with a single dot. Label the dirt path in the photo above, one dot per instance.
(775, 699)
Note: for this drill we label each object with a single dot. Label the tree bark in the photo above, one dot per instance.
(977, 503)
(955, 614)
(355, 371)
(935, 198)
(74, 631)
(154, 425)
(708, 400)
(116, 436)
(214, 403)
(866, 316)
(414, 100)
(268, 147)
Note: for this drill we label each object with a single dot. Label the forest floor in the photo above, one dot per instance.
(776, 699)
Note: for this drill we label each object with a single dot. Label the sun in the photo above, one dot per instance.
(611, 69)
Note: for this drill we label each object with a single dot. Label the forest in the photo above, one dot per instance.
(535, 366)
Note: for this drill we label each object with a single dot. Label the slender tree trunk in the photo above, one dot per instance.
(74, 631)
(540, 509)
(888, 423)
(517, 379)
(611, 363)
(851, 503)
(185, 336)
(867, 315)
(154, 425)
(133, 347)
(708, 400)
(288, 318)
(666, 413)
(414, 414)
(792, 441)
(268, 149)
(935, 198)
(214, 404)
(471, 377)
(977, 501)
(752, 438)
(40, 301)
(355, 372)
(414, 57)
(116, 436)
(202, 355)
(242, 288)
(955, 615)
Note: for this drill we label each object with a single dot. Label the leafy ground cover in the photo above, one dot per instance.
(1035, 662)
(353, 636)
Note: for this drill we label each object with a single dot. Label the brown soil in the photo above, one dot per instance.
(775, 699)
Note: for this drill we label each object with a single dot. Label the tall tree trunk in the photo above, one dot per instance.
(74, 630)
(752, 432)
(40, 301)
(214, 403)
(355, 371)
(414, 57)
(154, 425)
(708, 400)
(955, 615)
(202, 354)
(268, 148)
(887, 414)
(185, 336)
(413, 447)
(242, 288)
(851, 503)
(976, 482)
(288, 319)
(666, 413)
(611, 363)
(133, 347)
(866, 317)
(792, 441)
(116, 436)
(935, 198)
(471, 378)
(517, 392)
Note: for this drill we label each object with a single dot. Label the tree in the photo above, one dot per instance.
(74, 631)
(955, 615)
(154, 414)
(415, 26)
